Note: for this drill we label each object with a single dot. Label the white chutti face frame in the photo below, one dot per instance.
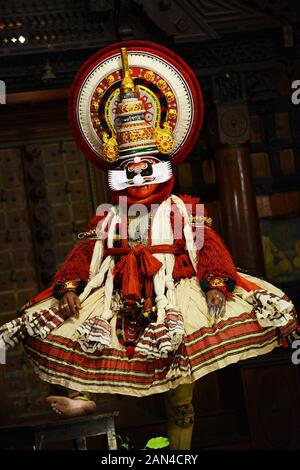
(118, 179)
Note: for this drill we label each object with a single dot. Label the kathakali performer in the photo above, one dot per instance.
(143, 304)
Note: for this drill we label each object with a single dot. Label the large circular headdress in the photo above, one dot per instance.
(167, 87)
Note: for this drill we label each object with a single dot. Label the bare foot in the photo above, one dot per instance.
(71, 407)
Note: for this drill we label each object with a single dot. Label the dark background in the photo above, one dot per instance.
(246, 55)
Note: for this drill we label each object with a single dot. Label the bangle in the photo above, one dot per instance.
(216, 282)
(88, 234)
(62, 287)
(198, 220)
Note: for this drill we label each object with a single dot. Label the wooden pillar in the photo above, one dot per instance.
(229, 133)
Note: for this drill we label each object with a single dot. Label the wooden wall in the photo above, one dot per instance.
(48, 193)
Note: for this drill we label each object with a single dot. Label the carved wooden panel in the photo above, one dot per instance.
(18, 279)
(230, 125)
(60, 200)
(17, 274)
(200, 19)
(47, 195)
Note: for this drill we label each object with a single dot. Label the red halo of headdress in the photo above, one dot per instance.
(166, 56)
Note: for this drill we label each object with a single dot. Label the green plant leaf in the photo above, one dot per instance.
(157, 443)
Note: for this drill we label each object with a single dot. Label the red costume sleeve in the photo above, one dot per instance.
(77, 263)
(214, 259)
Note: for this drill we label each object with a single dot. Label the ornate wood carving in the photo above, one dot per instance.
(230, 125)
(40, 210)
(196, 20)
(66, 33)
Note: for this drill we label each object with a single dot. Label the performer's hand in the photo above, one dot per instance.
(215, 303)
(69, 304)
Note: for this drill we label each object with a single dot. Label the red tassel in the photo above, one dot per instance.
(148, 263)
(127, 270)
(77, 263)
(147, 307)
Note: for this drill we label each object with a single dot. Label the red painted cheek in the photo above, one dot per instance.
(154, 194)
(141, 192)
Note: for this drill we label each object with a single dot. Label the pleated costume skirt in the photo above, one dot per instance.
(84, 353)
